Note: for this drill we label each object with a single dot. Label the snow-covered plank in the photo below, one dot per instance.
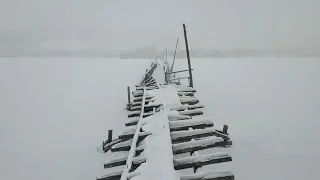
(193, 112)
(175, 116)
(199, 145)
(134, 113)
(185, 89)
(120, 161)
(202, 160)
(189, 100)
(212, 175)
(186, 93)
(186, 135)
(108, 146)
(185, 106)
(135, 108)
(132, 121)
(139, 99)
(141, 135)
(193, 123)
(111, 175)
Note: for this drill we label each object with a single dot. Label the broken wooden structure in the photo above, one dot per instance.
(166, 132)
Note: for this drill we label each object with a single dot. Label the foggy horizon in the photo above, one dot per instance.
(124, 25)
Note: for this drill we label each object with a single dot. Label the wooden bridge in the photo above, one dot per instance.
(166, 132)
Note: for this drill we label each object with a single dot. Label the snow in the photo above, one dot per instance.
(207, 175)
(186, 106)
(191, 122)
(201, 142)
(200, 158)
(158, 166)
(65, 106)
(175, 115)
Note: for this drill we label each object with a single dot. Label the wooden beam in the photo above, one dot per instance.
(194, 112)
(122, 161)
(178, 71)
(211, 175)
(186, 124)
(189, 100)
(185, 136)
(128, 136)
(186, 94)
(199, 145)
(201, 160)
(115, 175)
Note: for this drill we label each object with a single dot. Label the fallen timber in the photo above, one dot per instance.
(165, 132)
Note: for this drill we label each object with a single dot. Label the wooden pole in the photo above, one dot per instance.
(225, 129)
(128, 89)
(188, 55)
(109, 136)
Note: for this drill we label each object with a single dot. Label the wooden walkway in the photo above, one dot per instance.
(166, 132)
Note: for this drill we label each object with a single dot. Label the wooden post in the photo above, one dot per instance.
(188, 55)
(225, 129)
(128, 89)
(109, 136)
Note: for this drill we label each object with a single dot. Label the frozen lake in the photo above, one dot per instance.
(54, 113)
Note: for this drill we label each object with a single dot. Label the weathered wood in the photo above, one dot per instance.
(109, 136)
(191, 94)
(188, 55)
(189, 100)
(211, 175)
(122, 161)
(178, 71)
(116, 175)
(107, 146)
(184, 107)
(142, 135)
(128, 91)
(225, 129)
(201, 160)
(193, 112)
(186, 124)
(139, 99)
(185, 136)
(198, 145)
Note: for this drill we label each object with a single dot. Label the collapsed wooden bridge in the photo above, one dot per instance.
(166, 132)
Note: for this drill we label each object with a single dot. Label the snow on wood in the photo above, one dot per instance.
(141, 135)
(132, 121)
(185, 89)
(186, 106)
(194, 123)
(194, 112)
(139, 99)
(189, 100)
(186, 135)
(120, 161)
(132, 151)
(158, 150)
(186, 93)
(175, 116)
(198, 145)
(135, 108)
(212, 175)
(112, 174)
(134, 113)
(202, 160)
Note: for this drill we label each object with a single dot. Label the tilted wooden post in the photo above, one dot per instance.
(188, 55)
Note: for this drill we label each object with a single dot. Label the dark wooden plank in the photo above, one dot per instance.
(185, 136)
(189, 147)
(215, 175)
(122, 161)
(203, 160)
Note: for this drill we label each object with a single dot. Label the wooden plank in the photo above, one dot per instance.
(198, 145)
(193, 112)
(122, 161)
(189, 100)
(211, 175)
(115, 175)
(186, 135)
(202, 160)
(186, 124)
(128, 136)
(178, 71)
(191, 94)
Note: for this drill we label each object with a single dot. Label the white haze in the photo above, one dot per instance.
(126, 24)
(54, 113)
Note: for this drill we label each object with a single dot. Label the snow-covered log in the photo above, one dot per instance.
(134, 104)
(189, 100)
(194, 112)
(193, 123)
(199, 145)
(120, 161)
(202, 160)
(186, 135)
(212, 175)
(137, 93)
(185, 106)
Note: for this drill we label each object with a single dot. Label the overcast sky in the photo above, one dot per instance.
(126, 24)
